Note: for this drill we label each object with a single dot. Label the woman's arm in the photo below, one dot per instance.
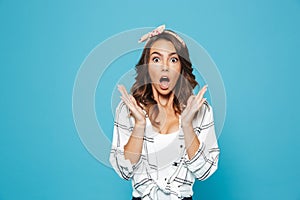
(134, 146)
(199, 135)
(194, 104)
(204, 162)
(191, 140)
(123, 129)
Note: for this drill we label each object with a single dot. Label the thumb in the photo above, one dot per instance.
(133, 100)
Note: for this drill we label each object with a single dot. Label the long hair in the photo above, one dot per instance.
(142, 89)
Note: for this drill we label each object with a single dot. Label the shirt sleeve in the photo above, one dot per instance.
(123, 126)
(205, 162)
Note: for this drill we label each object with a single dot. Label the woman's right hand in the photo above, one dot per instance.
(134, 108)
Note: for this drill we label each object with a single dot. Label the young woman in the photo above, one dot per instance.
(164, 136)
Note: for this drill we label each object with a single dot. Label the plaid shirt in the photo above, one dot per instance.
(167, 173)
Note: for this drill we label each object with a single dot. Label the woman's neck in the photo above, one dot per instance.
(167, 117)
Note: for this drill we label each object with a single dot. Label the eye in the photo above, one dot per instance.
(156, 59)
(174, 60)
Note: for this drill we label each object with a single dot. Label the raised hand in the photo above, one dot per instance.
(194, 104)
(135, 109)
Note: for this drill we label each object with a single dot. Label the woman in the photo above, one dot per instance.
(164, 135)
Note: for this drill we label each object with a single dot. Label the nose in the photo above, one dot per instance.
(165, 66)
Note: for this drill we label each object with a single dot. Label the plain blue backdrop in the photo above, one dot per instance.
(255, 45)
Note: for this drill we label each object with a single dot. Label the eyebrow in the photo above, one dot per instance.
(155, 52)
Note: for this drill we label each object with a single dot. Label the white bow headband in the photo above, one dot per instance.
(158, 31)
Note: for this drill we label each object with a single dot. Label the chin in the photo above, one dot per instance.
(164, 92)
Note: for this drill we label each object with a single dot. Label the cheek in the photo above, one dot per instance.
(152, 71)
(177, 69)
(176, 72)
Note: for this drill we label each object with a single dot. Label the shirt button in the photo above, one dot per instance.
(165, 179)
(181, 146)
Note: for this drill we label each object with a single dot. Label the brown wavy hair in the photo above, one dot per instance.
(142, 89)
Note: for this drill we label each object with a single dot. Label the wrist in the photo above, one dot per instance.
(140, 124)
(186, 125)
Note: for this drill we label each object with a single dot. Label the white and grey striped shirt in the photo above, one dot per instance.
(164, 170)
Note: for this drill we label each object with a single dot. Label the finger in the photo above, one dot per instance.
(201, 103)
(133, 101)
(203, 89)
(199, 98)
(126, 93)
(125, 101)
(129, 105)
(189, 102)
(123, 91)
(201, 93)
(125, 97)
(120, 88)
(190, 99)
(138, 107)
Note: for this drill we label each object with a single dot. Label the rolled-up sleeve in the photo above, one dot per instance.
(123, 126)
(205, 162)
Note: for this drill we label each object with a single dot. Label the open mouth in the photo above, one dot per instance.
(164, 82)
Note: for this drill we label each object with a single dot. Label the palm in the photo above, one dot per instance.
(130, 101)
(194, 104)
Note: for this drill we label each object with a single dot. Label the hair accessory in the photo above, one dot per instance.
(158, 31)
(155, 32)
(177, 36)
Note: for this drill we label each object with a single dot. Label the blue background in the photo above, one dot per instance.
(255, 45)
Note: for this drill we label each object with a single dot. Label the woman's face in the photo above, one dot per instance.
(164, 66)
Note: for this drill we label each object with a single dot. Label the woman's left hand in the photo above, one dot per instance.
(194, 104)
